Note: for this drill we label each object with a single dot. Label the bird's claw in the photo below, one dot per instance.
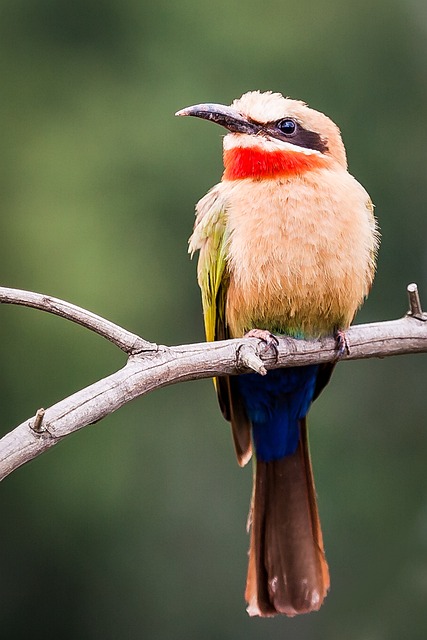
(270, 341)
(342, 344)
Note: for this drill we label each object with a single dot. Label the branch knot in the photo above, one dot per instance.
(248, 357)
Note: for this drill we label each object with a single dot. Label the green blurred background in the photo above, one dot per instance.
(135, 527)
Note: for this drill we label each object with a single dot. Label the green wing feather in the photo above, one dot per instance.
(210, 238)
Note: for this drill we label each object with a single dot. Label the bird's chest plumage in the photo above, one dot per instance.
(300, 253)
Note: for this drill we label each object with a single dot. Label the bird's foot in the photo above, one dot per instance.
(342, 345)
(270, 341)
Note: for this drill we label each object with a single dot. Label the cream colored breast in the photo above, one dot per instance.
(301, 252)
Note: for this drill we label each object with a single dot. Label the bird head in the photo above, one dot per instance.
(271, 136)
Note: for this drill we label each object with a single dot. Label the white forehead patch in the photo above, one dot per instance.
(267, 106)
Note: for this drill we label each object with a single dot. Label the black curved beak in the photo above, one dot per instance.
(225, 116)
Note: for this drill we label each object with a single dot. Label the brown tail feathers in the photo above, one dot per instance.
(287, 570)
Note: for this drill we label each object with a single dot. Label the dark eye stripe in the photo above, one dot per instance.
(300, 137)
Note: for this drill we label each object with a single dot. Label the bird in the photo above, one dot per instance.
(287, 244)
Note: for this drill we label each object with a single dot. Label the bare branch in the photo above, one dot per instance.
(151, 367)
(126, 341)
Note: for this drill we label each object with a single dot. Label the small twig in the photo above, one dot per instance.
(36, 425)
(415, 309)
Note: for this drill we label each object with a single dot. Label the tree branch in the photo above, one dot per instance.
(126, 341)
(151, 367)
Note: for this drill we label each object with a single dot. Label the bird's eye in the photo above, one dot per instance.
(287, 126)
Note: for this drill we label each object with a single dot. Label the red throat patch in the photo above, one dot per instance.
(258, 164)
